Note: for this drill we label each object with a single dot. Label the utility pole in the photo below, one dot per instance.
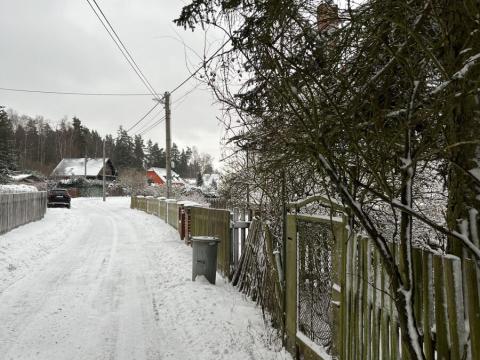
(103, 185)
(168, 144)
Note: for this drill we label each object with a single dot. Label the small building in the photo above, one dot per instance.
(159, 176)
(93, 169)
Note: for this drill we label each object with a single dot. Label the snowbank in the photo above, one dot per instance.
(14, 189)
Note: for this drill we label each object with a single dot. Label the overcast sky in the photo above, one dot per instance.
(60, 45)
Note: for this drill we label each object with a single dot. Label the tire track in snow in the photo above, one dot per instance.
(121, 289)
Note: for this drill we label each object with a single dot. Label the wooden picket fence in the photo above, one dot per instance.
(361, 321)
(363, 316)
(22, 208)
(446, 305)
(214, 222)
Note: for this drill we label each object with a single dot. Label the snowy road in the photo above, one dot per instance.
(102, 281)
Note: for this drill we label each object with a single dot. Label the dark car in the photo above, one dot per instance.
(58, 197)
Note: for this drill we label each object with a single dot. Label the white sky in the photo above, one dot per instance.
(60, 45)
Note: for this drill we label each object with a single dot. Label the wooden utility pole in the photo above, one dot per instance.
(168, 144)
(103, 184)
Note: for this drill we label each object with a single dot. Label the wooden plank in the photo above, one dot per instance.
(351, 297)
(427, 302)
(242, 231)
(473, 306)
(366, 300)
(363, 304)
(376, 310)
(236, 245)
(442, 343)
(394, 348)
(384, 338)
(355, 303)
(451, 302)
(417, 285)
(342, 242)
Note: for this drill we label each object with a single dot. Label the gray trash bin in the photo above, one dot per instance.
(204, 257)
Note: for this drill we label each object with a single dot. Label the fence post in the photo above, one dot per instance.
(338, 289)
(291, 283)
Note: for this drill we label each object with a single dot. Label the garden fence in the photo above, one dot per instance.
(21, 208)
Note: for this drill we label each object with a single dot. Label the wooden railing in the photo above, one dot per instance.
(22, 208)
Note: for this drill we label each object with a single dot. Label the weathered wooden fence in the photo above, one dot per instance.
(339, 302)
(21, 208)
(446, 305)
(214, 222)
(201, 221)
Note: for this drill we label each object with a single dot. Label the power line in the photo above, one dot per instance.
(73, 92)
(149, 122)
(143, 117)
(152, 126)
(126, 49)
(146, 128)
(200, 67)
(121, 46)
(143, 132)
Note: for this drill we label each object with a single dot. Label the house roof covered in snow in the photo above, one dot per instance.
(76, 167)
(162, 174)
(24, 177)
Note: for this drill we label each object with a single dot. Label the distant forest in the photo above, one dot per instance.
(31, 143)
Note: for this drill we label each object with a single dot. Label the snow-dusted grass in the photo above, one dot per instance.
(102, 281)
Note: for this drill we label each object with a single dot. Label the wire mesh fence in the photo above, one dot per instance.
(315, 244)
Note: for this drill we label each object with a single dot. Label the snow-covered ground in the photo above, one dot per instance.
(17, 188)
(102, 281)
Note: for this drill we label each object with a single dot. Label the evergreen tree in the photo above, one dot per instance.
(31, 142)
(148, 154)
(123, 155)
(157, 156)
(199, 179)
(182, 167)
(175, 155)
(7, 156)
(138, 152)
(20, 144)
(34, 144)
(78, 139)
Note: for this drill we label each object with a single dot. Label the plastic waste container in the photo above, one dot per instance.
(204, 257)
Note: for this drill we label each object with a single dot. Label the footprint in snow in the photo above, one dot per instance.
(11, 267)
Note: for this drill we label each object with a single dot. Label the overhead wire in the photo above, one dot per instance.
(49, 92)
(149, 122)
(148, 127)
(151, 127)
(144, 116)
(127, 55)
(200, 67)
(183, 83)
(121, 46)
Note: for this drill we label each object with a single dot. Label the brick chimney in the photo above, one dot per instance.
(327, 16)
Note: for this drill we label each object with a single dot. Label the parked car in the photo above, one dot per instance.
(58, 197)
